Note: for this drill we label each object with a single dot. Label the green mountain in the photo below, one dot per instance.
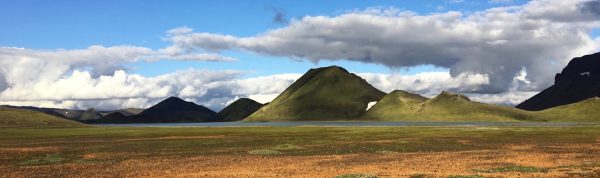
(446, 107)
(20, 118)
(328, 93)
(584, 111)
(239, 109)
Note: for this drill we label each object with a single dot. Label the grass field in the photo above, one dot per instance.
(301, 151)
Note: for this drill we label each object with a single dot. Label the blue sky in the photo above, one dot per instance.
(65, 24)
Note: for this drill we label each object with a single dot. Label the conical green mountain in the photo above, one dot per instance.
(239, 109)
(584, 111)
(328, 93)
(450, 107)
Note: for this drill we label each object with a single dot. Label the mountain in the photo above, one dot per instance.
(20, 118)
(328, 93)
(583, 111)
(239, 109)
(112, 118)
(579, 81)
(89, 114)
(447, 107)
(170, 110)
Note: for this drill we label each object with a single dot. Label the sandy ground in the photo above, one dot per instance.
(576, 160)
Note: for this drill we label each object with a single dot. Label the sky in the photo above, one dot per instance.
(133, 53)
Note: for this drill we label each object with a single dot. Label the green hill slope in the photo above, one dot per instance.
(19, 118)
(446, 107)
(584, 111)
(328, 93)
(239, 109)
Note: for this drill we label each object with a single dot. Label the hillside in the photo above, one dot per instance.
(328, 93)
(170, 110)
(239, 109)
(23, 118)
(446, 107)
(78, 115)
(578, 81)
(584, 111)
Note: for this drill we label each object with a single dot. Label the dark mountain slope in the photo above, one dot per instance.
(579, 81)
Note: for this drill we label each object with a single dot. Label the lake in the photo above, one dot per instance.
(347, 124)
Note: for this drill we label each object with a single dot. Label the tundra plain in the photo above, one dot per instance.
(505, 151)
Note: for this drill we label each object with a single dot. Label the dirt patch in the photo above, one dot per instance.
(29, 149)
(520, 147)
(438, 164)
(172, 138)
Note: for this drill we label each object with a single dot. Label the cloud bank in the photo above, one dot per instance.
(539, 37)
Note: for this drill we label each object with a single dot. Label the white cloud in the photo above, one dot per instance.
(212, 88)
(540, 36)
(510, 98)
(80, 90)
(426, 83)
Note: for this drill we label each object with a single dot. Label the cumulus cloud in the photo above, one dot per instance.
(80, 90)
(540, 36)
(509, 98)
(426, 83)
(430, 84)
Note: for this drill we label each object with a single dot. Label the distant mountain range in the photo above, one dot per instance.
(333, 93)
(173, 109)
(170, 110)
(77, 115)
